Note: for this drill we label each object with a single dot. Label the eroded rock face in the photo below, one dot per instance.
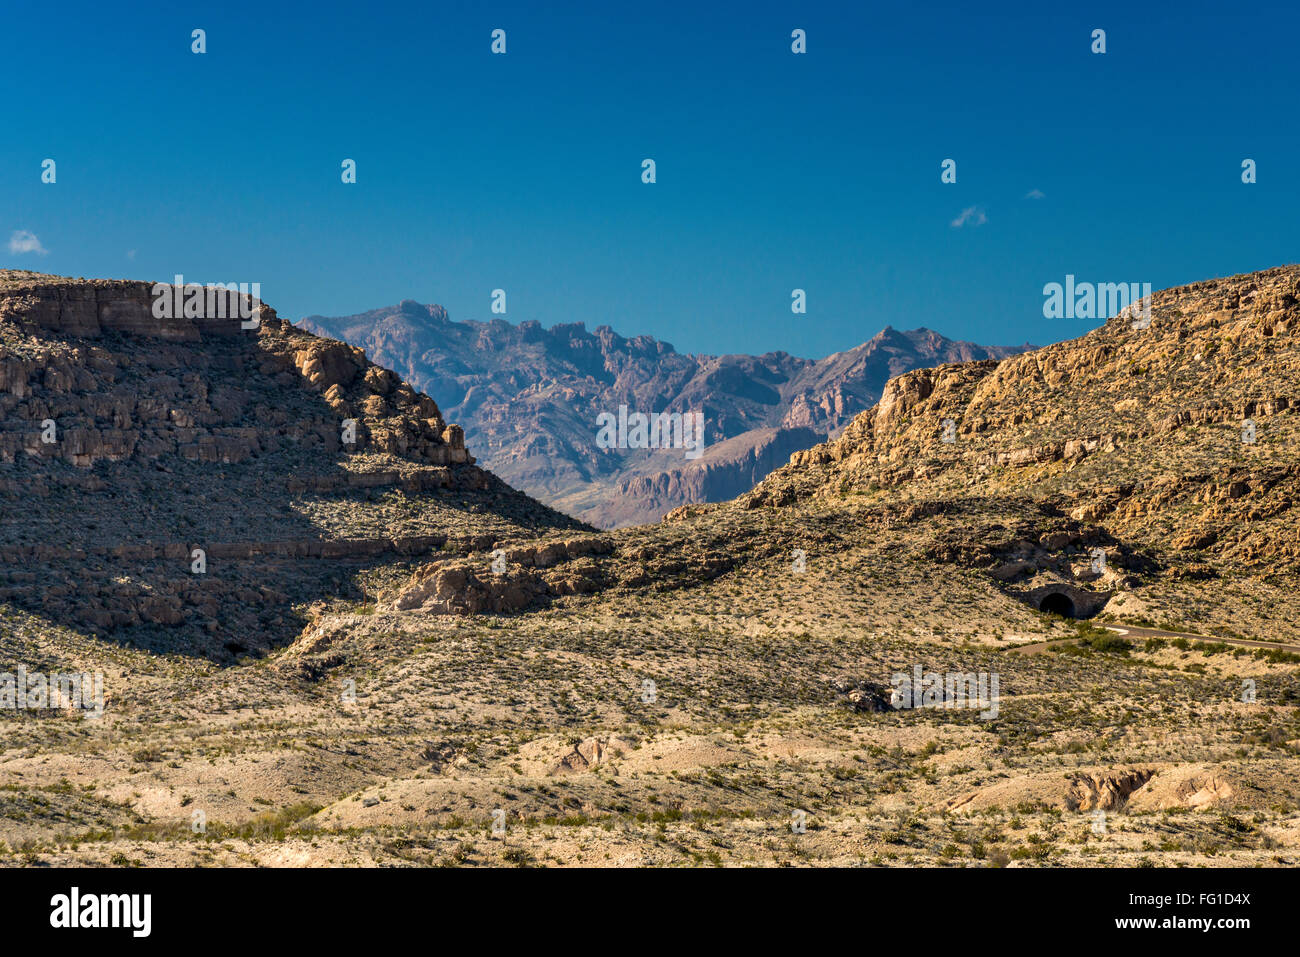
(129, 445)
(1109, 792)
(326, 364)
(517, 578)
(73, 356)
(1143, 788)
(593, 752)
(1178, 438)
(863, 695)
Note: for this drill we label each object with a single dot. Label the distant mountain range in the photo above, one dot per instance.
(528, 399)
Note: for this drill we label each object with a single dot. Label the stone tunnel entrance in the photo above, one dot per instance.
(1057, 603)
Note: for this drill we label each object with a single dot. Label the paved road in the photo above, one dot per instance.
(1133, 631)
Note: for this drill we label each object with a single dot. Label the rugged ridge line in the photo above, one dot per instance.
(529, 397)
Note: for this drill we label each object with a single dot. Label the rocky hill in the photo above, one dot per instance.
(128, 441)
(528, 398)
(1174, 438)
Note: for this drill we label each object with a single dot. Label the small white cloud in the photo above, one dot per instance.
(971, 215)
(1035, 194)
(22, 241)
(130, 254)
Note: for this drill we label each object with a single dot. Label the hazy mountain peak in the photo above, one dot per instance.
(529, 401)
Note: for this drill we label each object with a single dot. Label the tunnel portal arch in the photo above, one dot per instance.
(1058, 603)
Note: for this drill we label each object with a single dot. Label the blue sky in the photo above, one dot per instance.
(775, 171)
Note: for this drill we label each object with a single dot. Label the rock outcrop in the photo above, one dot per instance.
(518, 578)
(1175, 439)
(187, 480)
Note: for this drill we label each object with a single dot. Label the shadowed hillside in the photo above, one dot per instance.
(127, 441)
